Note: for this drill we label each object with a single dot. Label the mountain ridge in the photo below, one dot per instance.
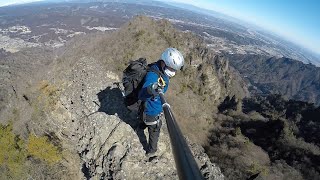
(271, 75)
(74, 97)
(70, 95)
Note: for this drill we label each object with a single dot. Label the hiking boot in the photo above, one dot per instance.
(150, 155)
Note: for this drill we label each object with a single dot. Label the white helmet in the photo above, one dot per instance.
(173, 58)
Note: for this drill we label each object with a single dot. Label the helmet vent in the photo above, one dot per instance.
(174, 62)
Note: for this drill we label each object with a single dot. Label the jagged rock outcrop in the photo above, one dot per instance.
(100, 128)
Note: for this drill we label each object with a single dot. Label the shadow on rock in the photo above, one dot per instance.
(111, 103)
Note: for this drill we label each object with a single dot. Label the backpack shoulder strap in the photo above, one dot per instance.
(158, 72)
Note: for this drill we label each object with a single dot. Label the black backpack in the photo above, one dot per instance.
(133, 77)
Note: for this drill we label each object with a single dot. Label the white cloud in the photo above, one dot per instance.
(8, 2)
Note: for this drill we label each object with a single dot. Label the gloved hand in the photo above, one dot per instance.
(154, 89)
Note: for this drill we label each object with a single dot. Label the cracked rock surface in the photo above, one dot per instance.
(98, 126)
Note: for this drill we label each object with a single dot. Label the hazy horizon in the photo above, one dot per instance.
(285, 19)
(294, 20)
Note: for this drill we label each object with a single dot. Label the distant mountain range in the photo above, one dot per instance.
(305, 56)
(287, 77)
(314, 57)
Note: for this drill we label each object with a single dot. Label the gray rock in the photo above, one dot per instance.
(104, 129)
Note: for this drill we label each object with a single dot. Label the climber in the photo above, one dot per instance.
(151, 108)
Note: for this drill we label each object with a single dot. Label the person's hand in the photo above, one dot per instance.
(155, 89)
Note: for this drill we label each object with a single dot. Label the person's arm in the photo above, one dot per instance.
(145, 92)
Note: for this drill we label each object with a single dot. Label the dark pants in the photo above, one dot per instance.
(154, 132)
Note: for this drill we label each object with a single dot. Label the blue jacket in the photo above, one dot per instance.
(152, 105)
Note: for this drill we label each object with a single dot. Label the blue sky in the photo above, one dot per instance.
(295, 20)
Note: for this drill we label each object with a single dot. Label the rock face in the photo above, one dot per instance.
(101, 129)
